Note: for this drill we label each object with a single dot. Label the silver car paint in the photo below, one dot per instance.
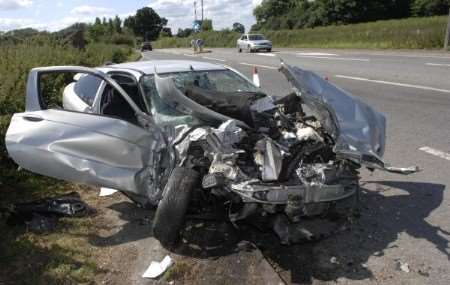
(250, 44)
(357, 128)
(104, 151)
(86, 148)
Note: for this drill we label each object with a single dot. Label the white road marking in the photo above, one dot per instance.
(266, 54)
(394, 83)
(191, 55)
(438, 64)
(213, 58)
(317, 54)
(435, 152)
(258, 65)
(412, 55)
(335, 58)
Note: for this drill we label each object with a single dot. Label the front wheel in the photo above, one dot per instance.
(169, 216)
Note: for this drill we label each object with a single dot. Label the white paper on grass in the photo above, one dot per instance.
(157, 268)
(107, 191)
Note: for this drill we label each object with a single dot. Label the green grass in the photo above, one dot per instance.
(177, 272)
(411, 33)
(63, 256)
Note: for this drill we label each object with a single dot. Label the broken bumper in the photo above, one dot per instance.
(260, 47)
(282, 194)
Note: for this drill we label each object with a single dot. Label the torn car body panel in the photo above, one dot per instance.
(358, 130)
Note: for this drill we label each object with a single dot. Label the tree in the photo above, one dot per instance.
(110, 26)
(207, 25)
(97, 30)
(117, 24)
(146, 23)
(293, 14)
(238, 27)
(430, 7)
(166, 32)
(184, 33)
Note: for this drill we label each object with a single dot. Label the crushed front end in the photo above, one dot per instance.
(287, 159)
(282, 166)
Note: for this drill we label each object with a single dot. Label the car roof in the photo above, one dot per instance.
(166, 66)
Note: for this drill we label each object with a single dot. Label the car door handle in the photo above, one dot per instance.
(33, 118)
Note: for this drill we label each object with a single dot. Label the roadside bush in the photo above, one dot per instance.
(225, 38)
(121, 39)
(118, 56)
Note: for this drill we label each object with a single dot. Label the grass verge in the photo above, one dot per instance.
(411, 33)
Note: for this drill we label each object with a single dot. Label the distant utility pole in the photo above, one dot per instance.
(202, 11)
(447, 34)
(195, 10)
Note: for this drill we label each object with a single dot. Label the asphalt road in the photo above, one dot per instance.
(405, 218)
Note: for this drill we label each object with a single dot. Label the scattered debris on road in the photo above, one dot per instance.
(107, 192)
(334, 260)
(42, 215)
(403, 266)
(157, 268)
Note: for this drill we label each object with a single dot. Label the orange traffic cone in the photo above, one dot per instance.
(256, 77)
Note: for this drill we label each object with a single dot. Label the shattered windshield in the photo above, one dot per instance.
(256, 37)
(215, 80)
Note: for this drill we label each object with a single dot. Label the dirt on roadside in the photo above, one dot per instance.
(114, 245)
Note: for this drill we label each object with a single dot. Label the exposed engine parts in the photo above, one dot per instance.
(284, 164)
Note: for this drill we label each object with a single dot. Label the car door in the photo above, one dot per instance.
(244, 42)
(241, 41)
(81, 147)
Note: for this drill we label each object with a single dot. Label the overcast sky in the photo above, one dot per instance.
(58, 14)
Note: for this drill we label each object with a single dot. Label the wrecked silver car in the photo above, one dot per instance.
(164, 132)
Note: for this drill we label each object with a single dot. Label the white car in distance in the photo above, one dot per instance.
(253, 42)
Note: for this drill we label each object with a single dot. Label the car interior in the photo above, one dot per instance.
(113, 104)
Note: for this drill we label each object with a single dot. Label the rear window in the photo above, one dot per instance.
(256, 37)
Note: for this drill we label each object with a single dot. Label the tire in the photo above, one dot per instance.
(169, 216)
(239, 50)
(269, 50)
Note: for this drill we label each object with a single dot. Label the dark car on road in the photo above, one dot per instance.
(146, 46)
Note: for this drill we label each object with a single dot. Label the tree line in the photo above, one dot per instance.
(296, 14)
(145, 25)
